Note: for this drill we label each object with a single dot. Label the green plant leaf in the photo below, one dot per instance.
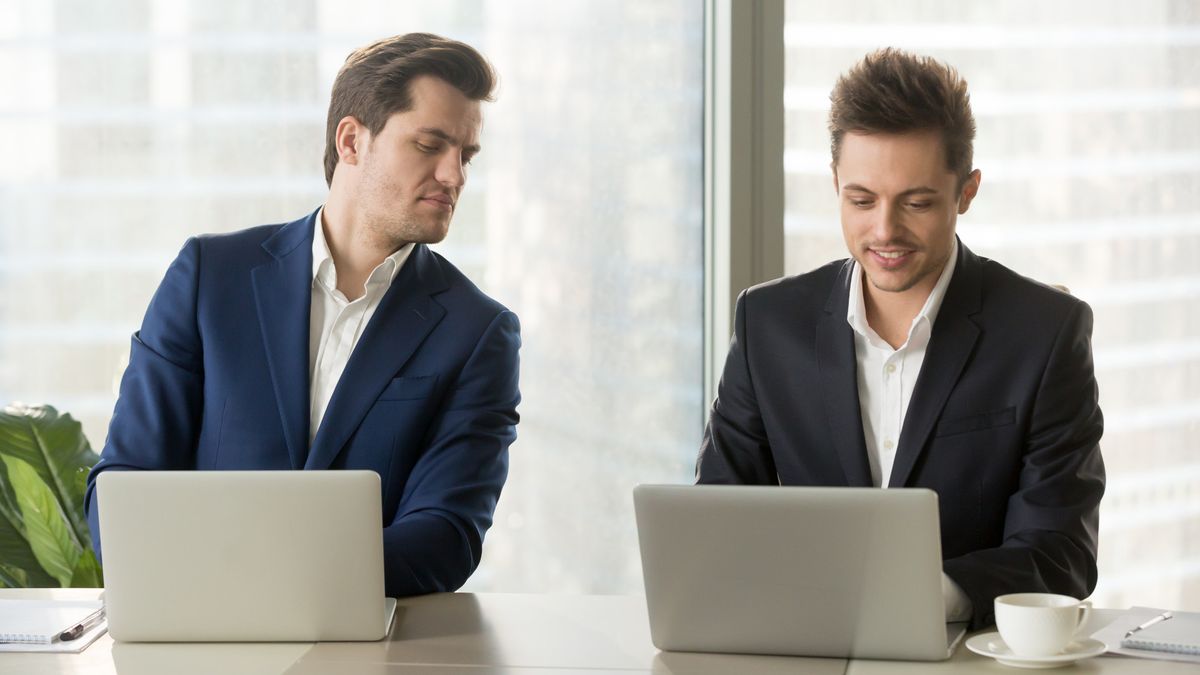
(45, 525)
(54, 445)
(17, 555)
(87, 572)
(81, 475)
(21, 565)
(13, 577)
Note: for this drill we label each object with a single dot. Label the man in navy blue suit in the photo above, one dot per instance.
(339, 340)
(916, 363)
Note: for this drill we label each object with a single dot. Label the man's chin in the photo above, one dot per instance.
(434, 235)
(429, 233)
(891, 282)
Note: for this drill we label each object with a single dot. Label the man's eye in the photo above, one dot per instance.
(427, 149)
(919, 206)
(861, 203)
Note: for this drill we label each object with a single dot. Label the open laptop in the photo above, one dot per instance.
(836, 572)
(233, 556)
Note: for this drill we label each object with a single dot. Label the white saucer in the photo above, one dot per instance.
(992, 645)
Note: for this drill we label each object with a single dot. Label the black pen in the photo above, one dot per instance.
(1161, 617)
(83, 626)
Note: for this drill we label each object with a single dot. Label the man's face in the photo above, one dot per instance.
(414, 169)
(899, 205)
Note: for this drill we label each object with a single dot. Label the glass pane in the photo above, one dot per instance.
(133, 124)
(1089, 144)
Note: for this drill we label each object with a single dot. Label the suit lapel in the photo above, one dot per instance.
(839, 382)
(406, 315)
(950, 346)
(283, 297)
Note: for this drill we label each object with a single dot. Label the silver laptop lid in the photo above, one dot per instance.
(242, 555)
(838, 572)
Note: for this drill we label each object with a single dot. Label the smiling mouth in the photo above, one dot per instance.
(890, 260)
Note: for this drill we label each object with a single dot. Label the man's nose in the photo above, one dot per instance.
(451, 171)
(886, 222)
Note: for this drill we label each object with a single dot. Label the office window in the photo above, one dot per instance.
(131, 124)
(1089, 145)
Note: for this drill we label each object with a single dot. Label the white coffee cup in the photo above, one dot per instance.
(1039, 624)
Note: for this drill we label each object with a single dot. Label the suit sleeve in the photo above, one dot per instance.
(734, 449)
(1050, 533)
(436, 539)
(155, 423)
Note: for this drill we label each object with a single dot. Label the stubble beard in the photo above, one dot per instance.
(396, 227)
(394, 230)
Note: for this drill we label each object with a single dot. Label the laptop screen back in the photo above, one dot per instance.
(838, 572)
(242, 555)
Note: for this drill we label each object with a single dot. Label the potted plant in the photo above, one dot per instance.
(44, 537)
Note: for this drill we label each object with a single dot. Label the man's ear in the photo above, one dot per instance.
(970, 188)
(349, 139)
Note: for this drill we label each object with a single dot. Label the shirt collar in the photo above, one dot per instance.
(856, 309)
(323, 269)
(320, 248)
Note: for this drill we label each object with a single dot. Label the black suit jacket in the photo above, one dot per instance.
(1004, 423)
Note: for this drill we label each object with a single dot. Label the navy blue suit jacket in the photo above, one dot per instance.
(218, 378)
(1004, 422)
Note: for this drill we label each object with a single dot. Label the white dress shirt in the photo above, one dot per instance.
(336, 323)
(886, 379)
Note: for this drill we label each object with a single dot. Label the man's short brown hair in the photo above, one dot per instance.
(373, 84)
(892, 91)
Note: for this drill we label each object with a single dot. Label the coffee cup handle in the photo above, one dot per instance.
(1086, 607)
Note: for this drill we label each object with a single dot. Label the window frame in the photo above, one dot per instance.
(743, 163)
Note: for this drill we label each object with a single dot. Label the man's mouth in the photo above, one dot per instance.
(890, 258)
(441, 201)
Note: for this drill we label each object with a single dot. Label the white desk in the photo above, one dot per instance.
(477, 634)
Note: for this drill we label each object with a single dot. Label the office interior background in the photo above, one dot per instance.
(129, 125)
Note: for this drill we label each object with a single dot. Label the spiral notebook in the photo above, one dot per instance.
(1159, 643)
(1178, 635)
(41, 622)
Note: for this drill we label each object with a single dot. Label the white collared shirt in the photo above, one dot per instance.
(886, 379)
(335, 323)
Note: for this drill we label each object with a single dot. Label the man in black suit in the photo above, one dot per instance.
(916, 363)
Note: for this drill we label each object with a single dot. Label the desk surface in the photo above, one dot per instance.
(477, 634)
